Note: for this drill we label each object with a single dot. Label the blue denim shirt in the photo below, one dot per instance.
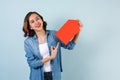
(34, 58)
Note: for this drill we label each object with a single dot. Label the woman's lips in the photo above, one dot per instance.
(38, 26)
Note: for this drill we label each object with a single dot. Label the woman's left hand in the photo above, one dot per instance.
(54, 51)
(80, 25)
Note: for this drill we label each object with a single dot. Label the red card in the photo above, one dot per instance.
(68, 30)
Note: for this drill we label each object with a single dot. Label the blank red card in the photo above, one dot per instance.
(68, 30)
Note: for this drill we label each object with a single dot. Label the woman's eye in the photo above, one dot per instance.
(37, 19)
(32, 22)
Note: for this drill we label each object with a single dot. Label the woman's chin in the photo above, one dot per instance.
(39, 29)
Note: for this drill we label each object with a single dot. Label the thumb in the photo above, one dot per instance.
(51, 48)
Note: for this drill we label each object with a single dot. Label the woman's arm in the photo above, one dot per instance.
(72, 43)
(31, 59)
(53, 52)
(77, 35)
(36, 62)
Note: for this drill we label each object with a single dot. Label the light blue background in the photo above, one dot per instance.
(97, 53)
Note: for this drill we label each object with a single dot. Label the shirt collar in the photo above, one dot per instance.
(47, 33)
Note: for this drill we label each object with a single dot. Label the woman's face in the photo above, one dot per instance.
(35, 22)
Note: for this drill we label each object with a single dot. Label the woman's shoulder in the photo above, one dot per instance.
(28, 39)
(51, 31)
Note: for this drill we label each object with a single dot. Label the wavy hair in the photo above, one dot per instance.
(26, 25)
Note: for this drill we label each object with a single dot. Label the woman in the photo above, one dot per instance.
(43, 48)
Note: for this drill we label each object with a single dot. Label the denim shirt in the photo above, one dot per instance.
(34, 59)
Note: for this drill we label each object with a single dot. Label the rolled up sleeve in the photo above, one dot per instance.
(69, 46)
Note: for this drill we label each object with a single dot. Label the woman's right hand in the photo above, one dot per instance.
(54, 51)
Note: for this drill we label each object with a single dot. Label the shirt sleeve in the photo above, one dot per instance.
(69, 46)
(33, 61)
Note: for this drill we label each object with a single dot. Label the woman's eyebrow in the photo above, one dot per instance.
(34, 18)
(37, 17)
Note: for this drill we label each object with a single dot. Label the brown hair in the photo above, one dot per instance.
(26, 27)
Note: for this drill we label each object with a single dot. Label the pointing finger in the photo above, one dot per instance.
(57, 45)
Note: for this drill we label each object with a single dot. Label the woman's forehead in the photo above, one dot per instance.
(33, 16)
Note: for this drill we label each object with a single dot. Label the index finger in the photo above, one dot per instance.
(57, 45)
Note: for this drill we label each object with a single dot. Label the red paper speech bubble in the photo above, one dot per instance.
(68, 31)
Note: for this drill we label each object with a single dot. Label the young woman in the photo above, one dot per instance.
(43, 48)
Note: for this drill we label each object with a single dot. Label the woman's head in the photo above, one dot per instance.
(33, 22)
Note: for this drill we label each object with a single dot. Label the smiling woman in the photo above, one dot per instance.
(43, 48)
(33, 19)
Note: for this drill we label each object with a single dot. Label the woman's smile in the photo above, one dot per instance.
(38, 25)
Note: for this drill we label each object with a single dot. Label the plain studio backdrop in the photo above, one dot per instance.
(96, 55)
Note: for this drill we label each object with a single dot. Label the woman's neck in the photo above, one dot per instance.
(40, 34)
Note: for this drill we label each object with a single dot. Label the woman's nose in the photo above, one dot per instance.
(36, 22)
